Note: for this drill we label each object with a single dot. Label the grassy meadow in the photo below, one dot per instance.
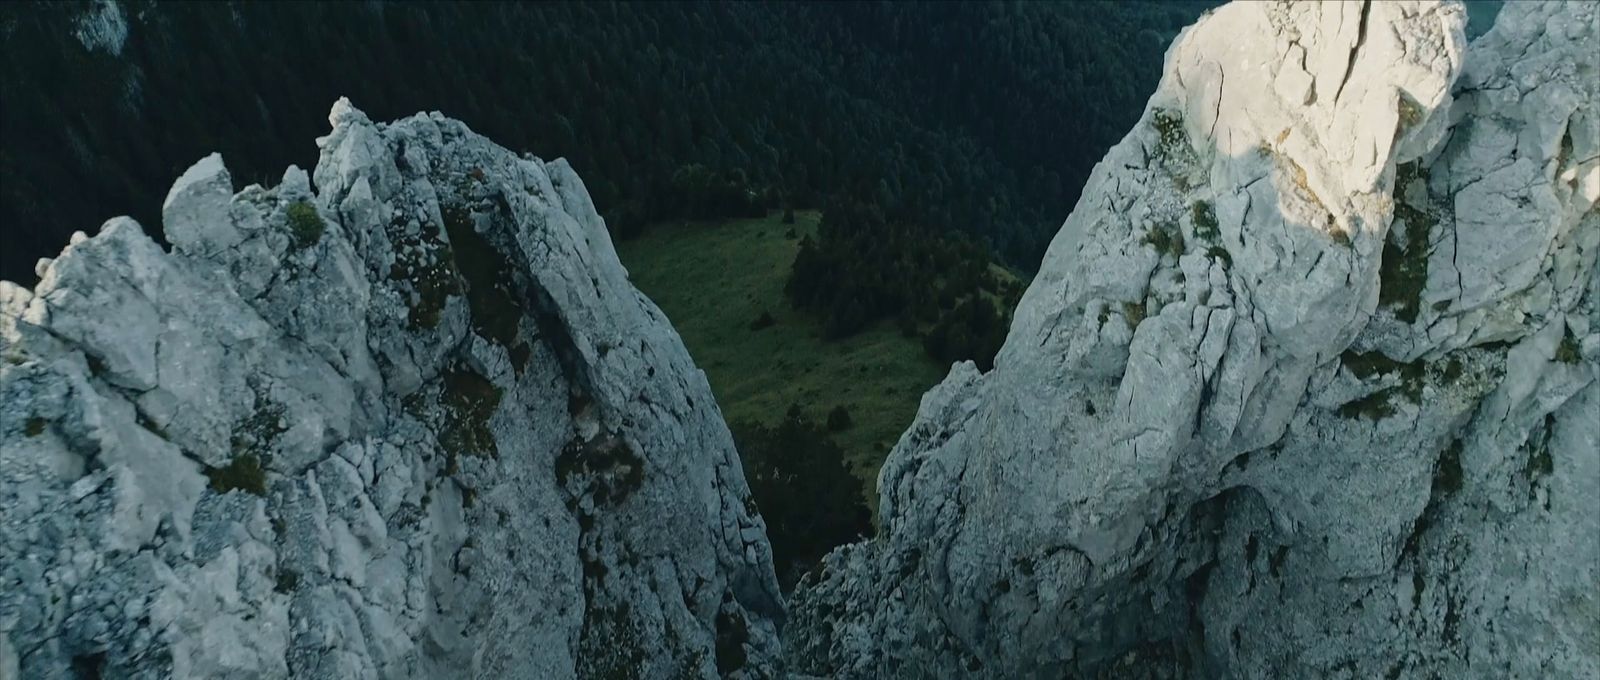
(713, 279)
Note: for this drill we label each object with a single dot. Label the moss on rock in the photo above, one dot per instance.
(1447, 473)
(243, 473)
(1169, 127)
(427, 263)
(1379, 404)
(1206, 226)
(305, 225)
(1166, 239)
(1133, 312)
(469, 400)
(1568, 351)
(495, 312)
(614, 469)
(1403, 273)
(732, 634)
(608, 647)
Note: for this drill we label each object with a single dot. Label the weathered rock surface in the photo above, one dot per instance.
(1306, 385)
(414, 422)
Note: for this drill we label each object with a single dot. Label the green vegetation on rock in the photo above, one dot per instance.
(1133, 313)
(1380, 404)
(1220, 254)
(614, 471)
(652, 110)
(1568, 351)
(1367, 364)
(862, 266)
(286, 581)
(494, 310)
(803, 490)
(305, 225)
(243, 473)
(426, 264)
(1174, 142)
(1404, 271)
(1205, 221)
(1540, 463)
(608, 646)
(1166, 239)
(732, 634)
(1447, 472)
(469, 400)
(1375, 406)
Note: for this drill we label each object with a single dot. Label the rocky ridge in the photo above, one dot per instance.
(1306, 385)
(401, 417)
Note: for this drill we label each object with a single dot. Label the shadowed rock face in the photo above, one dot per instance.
(414, 422)
(1305, 387)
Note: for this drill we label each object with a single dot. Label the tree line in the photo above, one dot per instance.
(866, 265)
(983, 119)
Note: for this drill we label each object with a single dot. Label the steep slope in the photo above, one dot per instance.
(1306, 386)
(412, 423)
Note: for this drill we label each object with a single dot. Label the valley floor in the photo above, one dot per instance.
(713, 279)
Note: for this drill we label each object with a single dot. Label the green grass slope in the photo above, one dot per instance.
(713, 279)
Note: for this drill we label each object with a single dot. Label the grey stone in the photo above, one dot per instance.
(413, 471)
(1233, 461)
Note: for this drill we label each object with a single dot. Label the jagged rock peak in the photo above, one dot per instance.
(402, 417)
(1305, 387)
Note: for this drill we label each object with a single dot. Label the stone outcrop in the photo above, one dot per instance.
(1308, 385)
(1305, 387)
(411, 422)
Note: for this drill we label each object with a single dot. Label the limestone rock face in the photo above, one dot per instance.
(1305, 387)
(402, 417)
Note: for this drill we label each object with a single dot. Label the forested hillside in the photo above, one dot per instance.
(981, 118)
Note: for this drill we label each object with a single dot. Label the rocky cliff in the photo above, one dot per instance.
(1306, 385)
(402, 417)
